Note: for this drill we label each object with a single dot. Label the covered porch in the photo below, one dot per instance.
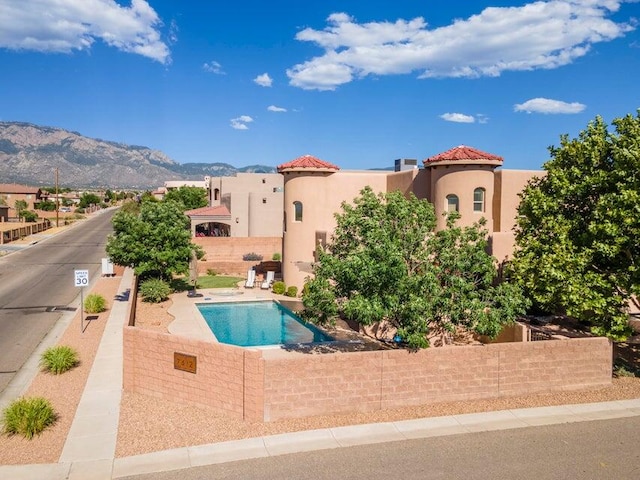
(210, 221)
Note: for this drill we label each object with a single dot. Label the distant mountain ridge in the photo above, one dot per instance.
(29, 154)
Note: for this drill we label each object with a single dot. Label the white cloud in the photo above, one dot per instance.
(547, 105)
(273, 108)
(63, 26)
(458, 117)
(537, 35)
(213, 67)
(263, 80)
(240, 123)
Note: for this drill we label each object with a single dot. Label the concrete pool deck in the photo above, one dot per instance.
(190, 323)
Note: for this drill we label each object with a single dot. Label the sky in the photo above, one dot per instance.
(354, 83)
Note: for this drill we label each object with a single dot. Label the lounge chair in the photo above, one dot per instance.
(251, 279)
(268, 280)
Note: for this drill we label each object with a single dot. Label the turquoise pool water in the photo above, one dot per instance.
(253, 324)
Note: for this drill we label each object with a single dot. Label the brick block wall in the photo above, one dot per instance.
(224, 254)
(305, 385)
(219, 380)
(322, 384)
(231, 249)
(247, 384)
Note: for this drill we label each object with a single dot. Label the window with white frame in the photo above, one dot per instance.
(478, 200)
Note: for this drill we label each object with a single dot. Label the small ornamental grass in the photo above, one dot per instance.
(28, 416)
(154, 290)
(95, 303)
(58, 359)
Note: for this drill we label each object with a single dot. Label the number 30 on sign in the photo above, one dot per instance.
(81, 278)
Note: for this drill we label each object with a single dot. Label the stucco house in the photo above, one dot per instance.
(462, 178)
(11, 192)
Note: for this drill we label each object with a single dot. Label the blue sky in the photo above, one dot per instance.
(355, 83)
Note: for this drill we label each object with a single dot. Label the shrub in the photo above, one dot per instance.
(211, 272)
(58, 359)
(279, 287)
(255, 257)
(292, 291)
(29, 216)
(95, 303)
(276, 257)
(154, 290)
(28, 416)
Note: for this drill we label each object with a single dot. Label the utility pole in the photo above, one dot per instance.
(57, 201)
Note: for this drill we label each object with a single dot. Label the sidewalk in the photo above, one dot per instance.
(90, 447)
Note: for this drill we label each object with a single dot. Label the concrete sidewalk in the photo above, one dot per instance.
(89, 450)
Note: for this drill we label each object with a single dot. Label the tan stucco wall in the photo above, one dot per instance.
(462, 180)
(254, 201)
(509, 183)
(321, 195)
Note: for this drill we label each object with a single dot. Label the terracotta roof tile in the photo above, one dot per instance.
(308, 161)
(219, 210)
(462, 153)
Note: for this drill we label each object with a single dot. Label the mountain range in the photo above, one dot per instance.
(30, 154)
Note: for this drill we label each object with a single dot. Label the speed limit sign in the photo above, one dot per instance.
(81, 278)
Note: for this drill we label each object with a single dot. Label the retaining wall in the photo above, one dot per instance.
(262, 385)
(224, 254)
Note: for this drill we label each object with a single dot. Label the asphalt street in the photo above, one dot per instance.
(604, 449)
(37, 285)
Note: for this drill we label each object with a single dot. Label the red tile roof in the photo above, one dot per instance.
(462, 153)
(219, 211)
(308, 161)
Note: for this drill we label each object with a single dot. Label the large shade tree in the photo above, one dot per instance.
(156, 241)
(386, 263)
(190, 197)
(578, 230)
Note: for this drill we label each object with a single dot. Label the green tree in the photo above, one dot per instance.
(21, 207)
(29, 216)
(190, 197)
(87, 199)
(47, 206)
(578, 230)
(386, 262)
(156, 242)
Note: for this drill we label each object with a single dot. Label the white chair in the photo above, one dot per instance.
(268, 280)
(251, 279)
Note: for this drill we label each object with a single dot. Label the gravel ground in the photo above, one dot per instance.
(150, 424)
(63, 391)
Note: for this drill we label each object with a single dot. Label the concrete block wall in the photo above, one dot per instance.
(231, 249)
(256, 386)
(219, 380)
(224, 254)
(305, 385)
(323, 384)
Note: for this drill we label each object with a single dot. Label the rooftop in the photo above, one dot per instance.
(463, 153)
(308, 162)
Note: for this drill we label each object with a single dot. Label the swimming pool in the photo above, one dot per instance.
(253, 324)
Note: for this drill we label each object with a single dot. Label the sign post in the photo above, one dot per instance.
(81, 279)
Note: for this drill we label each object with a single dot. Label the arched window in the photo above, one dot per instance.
(216, 194)
(297, 208)
(478, 200)
(452, 203)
